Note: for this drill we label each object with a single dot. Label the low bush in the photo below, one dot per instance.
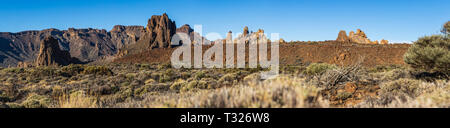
(73, 69)
(430, 53)
(178, 85)
(318, 68)
(97, 70)
(331, 78)
(14, 70)
(228, 79)
(36, 101)
(401, 87)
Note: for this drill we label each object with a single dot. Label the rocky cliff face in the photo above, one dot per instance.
(157, 34)
(342, 37)
(359, 37)
(160, 30)
(84, 44)
(51, 55)
(186, 29)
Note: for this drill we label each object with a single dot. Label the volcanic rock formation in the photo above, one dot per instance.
(51, 55)
(343, 36)
(84, 44)
(359, 37)
(157, 34)
(89, 44)
(186, 29)
(160, 29)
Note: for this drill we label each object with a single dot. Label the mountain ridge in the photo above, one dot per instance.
(86, 44)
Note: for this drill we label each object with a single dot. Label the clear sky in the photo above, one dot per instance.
(395, 20)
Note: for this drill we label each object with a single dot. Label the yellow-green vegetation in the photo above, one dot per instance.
(36, 101)
(284, 91)
(159, 85)
(318, 68)
(431, 53)
(97, 70)
(401, 87)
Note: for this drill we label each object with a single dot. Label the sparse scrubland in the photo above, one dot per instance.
(159, 85)
(421, 81)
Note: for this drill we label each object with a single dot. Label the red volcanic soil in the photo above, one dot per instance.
(343, 53)
(295, 53)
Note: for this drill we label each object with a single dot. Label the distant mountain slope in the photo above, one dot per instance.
(89, 45)
(84, 44)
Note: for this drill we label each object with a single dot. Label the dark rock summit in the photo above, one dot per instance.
(188, 30)
(159, 31)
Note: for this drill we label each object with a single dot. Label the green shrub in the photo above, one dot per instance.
(4, 97)
(149, 81)
(228, 79)
(343, 95)
(252, 78)
(200, 74)
(125, 92)
(196, 85)
(177, 85)
(14, 105)
(210, 82)
(73, 69)
(36, 101)
(43, 71)
(395, 74)
(430, 53)
(164, 66)
(401, 87)
(318, 68)
(14, 70)
(97, 70)
(167, 76)
(384, 68)
(145, 66)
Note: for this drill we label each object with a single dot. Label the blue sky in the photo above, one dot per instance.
(395, 20)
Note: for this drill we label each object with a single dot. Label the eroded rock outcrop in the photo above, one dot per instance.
(359, 37)
(343, 36)
(384, 41)
(187, 29)
(51, 55)
(159, 31)
(85, 44)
